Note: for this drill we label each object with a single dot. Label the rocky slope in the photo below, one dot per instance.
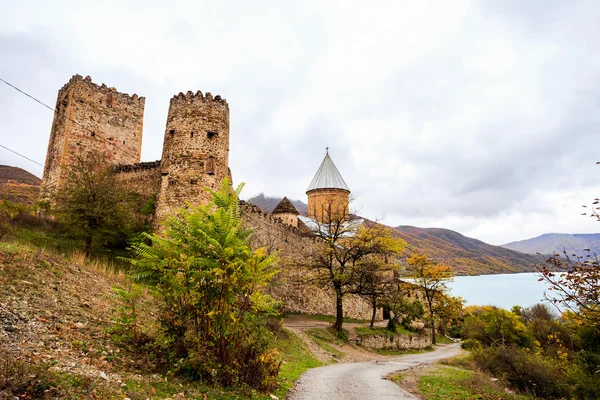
(18, 185)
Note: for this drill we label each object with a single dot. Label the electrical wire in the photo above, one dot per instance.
(19, 154)
(70, 119)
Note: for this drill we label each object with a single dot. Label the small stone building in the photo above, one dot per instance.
(287, 212)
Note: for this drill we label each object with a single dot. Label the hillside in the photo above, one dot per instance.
(18, 185)
(268, 203)
(466, 255)
(550, 243)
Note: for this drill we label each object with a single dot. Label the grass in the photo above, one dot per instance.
(325, 339)
(366, 331)
(390, 352)
(441, 339)
(457, 379)
(296, 359)
(329, 318)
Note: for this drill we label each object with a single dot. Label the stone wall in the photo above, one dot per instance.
(326, 203)
(142, 178)
(195, 150)
(294, 246)
(395, 342)
(91, 118)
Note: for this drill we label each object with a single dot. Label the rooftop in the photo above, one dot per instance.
(327, 177)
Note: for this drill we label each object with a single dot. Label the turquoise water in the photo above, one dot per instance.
(504, 290)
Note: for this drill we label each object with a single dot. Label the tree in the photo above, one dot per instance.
(574, 285)
(346, 249)
(92, 204)
(401, 307)
(374, 280)
(211, 285)
(431, 278)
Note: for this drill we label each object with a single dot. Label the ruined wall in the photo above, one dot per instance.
(294, 247)
(323, 203)
(195, 150)
(142, 178)
(91, 118)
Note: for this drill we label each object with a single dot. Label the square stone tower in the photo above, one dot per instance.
(91, 118)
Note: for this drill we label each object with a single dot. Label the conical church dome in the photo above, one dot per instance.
(327, 177)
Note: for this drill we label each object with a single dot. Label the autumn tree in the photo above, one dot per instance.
(431, 279)
(574, 285)
(92, 204)
(346, 249)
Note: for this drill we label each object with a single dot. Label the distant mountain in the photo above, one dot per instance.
(268, 203)
(551, 243)
(18, 185)
(466, 255)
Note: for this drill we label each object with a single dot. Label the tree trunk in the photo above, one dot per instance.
(374, 304)
(88, 245)
(339, 311)
(433, 342)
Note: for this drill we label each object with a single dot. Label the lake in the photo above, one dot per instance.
(505, 290)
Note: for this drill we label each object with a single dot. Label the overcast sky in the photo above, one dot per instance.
(477, 116)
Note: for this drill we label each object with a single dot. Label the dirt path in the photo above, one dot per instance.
(365, 380)
(299, 324)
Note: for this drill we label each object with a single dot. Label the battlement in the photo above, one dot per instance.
(124, 168)
(190, 97)
(273, 220)
(102, 88)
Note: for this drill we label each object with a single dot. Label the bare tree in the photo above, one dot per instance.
(346, 248)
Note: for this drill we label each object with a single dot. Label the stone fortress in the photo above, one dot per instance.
(96, 118)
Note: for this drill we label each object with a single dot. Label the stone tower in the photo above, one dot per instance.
(91, 118)
(195, 151)
(328, 194)
(287, 212)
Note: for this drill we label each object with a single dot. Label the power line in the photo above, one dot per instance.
(70, 119)
(19, 154)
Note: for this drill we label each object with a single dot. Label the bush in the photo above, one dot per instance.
(214, 313)
(528, 371)
(23, 380)
(470, 344)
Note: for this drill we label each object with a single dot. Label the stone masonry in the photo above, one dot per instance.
(327, 205)
(195, 158)
(195, 151)
(91, 118)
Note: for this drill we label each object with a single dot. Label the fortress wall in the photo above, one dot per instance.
(143, 178)
(294, 246)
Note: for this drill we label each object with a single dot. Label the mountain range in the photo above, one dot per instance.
(555, 243)
(466, 255)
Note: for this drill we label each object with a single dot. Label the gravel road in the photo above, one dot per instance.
(363, 381)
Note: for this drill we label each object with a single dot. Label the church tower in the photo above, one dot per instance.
(328, 194)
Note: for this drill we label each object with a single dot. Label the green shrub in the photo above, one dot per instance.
(527, 371)
(210, 283)
(471, 344)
